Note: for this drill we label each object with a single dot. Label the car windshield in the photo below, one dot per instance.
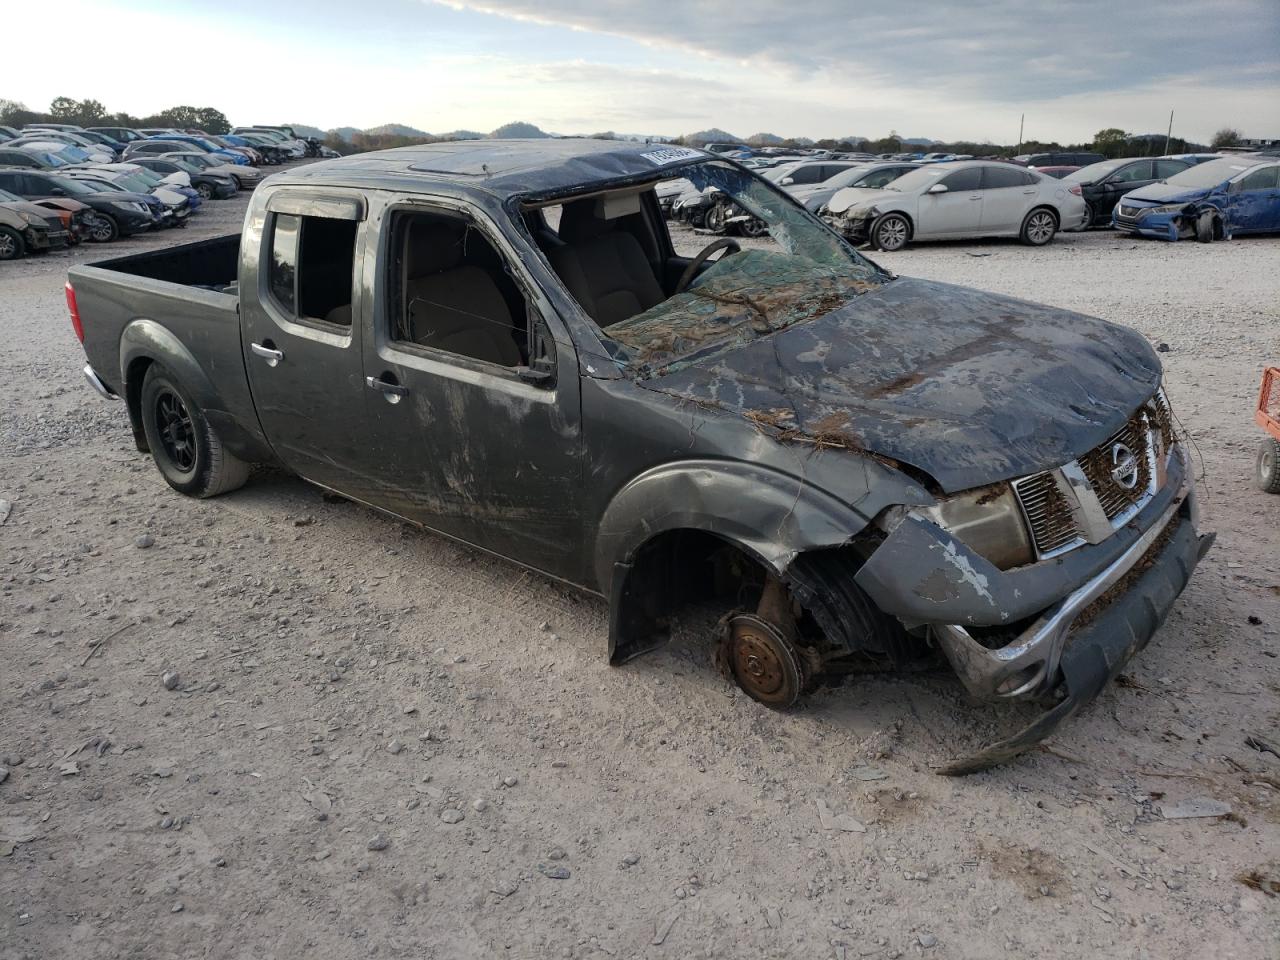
(143, 175)
(198, 161)
(1212, 173)
(133, 182)
(800, 272)
(844, 177)
(74, 187)
(186, 167)
(919, 179)
(1094, 171)
(7, 197)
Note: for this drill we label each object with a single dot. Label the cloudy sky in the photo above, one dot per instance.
(932, 68)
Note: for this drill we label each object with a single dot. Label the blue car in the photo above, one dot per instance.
(1210, 201)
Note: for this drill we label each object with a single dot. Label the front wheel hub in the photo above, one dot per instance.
(763, 662)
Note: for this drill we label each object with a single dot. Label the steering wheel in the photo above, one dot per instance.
(691, 271)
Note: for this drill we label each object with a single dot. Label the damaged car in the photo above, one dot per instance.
(1217, 200)
(959, 200)
(500, 341)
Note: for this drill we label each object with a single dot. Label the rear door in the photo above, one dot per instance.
(1007, 194)
(955, 211)
(301, 303)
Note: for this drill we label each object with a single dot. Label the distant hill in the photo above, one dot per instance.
(918, 141)
(764, 140)
(344, 133)
(396, 130)
(714, 135)
(302, 130)
(463, 135)
(517, 130)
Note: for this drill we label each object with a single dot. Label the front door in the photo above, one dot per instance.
(472, 390)
(1253, 204)
(301, 308)
(1134, 176)
(957, 210)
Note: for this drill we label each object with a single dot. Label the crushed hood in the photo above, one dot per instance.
(1166, 193)
(848, 197)
(969, 387)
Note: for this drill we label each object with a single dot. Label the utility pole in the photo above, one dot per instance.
(1021, 121)
(1168, 136)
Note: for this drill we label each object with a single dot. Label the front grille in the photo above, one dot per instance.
(1119, 470)
(1122, 475)
(1047, 512)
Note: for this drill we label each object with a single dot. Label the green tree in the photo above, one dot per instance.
(1226, 137)
(1111, 142)
(63, 108)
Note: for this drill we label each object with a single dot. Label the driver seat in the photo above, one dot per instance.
(602, 265)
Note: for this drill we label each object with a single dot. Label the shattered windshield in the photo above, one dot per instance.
(789, 269)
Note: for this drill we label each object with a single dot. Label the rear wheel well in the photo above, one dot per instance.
(1053, 211)
(133, 378)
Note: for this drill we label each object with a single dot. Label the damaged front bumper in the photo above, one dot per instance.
(1061, 627)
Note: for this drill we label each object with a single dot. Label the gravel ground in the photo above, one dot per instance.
(273, 726)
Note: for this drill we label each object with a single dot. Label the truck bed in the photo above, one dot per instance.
(209, 264)
(181, 307)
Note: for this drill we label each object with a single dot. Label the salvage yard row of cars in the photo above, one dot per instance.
(889, 203)
(61, 184)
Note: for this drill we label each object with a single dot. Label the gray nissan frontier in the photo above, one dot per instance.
(498, 340)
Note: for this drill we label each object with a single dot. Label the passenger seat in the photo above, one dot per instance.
(602, 265)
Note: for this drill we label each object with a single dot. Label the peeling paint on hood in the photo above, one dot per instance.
(969, 387)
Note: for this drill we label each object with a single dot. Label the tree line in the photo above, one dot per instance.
(91, 113)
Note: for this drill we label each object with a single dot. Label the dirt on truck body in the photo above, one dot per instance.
(499, 342)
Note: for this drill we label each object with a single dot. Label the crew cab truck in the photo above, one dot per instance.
(499, 341)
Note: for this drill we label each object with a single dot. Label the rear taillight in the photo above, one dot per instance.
(1075, 188)
(76, 325)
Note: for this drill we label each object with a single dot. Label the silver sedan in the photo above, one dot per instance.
(952, 201)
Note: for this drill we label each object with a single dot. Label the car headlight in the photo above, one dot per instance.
(988, 521)
(32, 219)
(133, 206)
(1167, 208)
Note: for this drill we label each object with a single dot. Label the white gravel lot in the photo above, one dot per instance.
(374, 748)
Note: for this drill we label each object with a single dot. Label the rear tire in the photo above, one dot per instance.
(1267, 466)
(187, 451)
(205, 191)
(1038, 228)
(890, 233)
(11, 245)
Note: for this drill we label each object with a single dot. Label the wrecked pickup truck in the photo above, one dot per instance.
(500, 342)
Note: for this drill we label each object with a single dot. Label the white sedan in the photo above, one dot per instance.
(952, 201)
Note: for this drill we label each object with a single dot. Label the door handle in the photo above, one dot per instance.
(391, 391)
(269, 354)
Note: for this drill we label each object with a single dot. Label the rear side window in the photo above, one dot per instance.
(1167, 168)
(994, 178)
(312, 261)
